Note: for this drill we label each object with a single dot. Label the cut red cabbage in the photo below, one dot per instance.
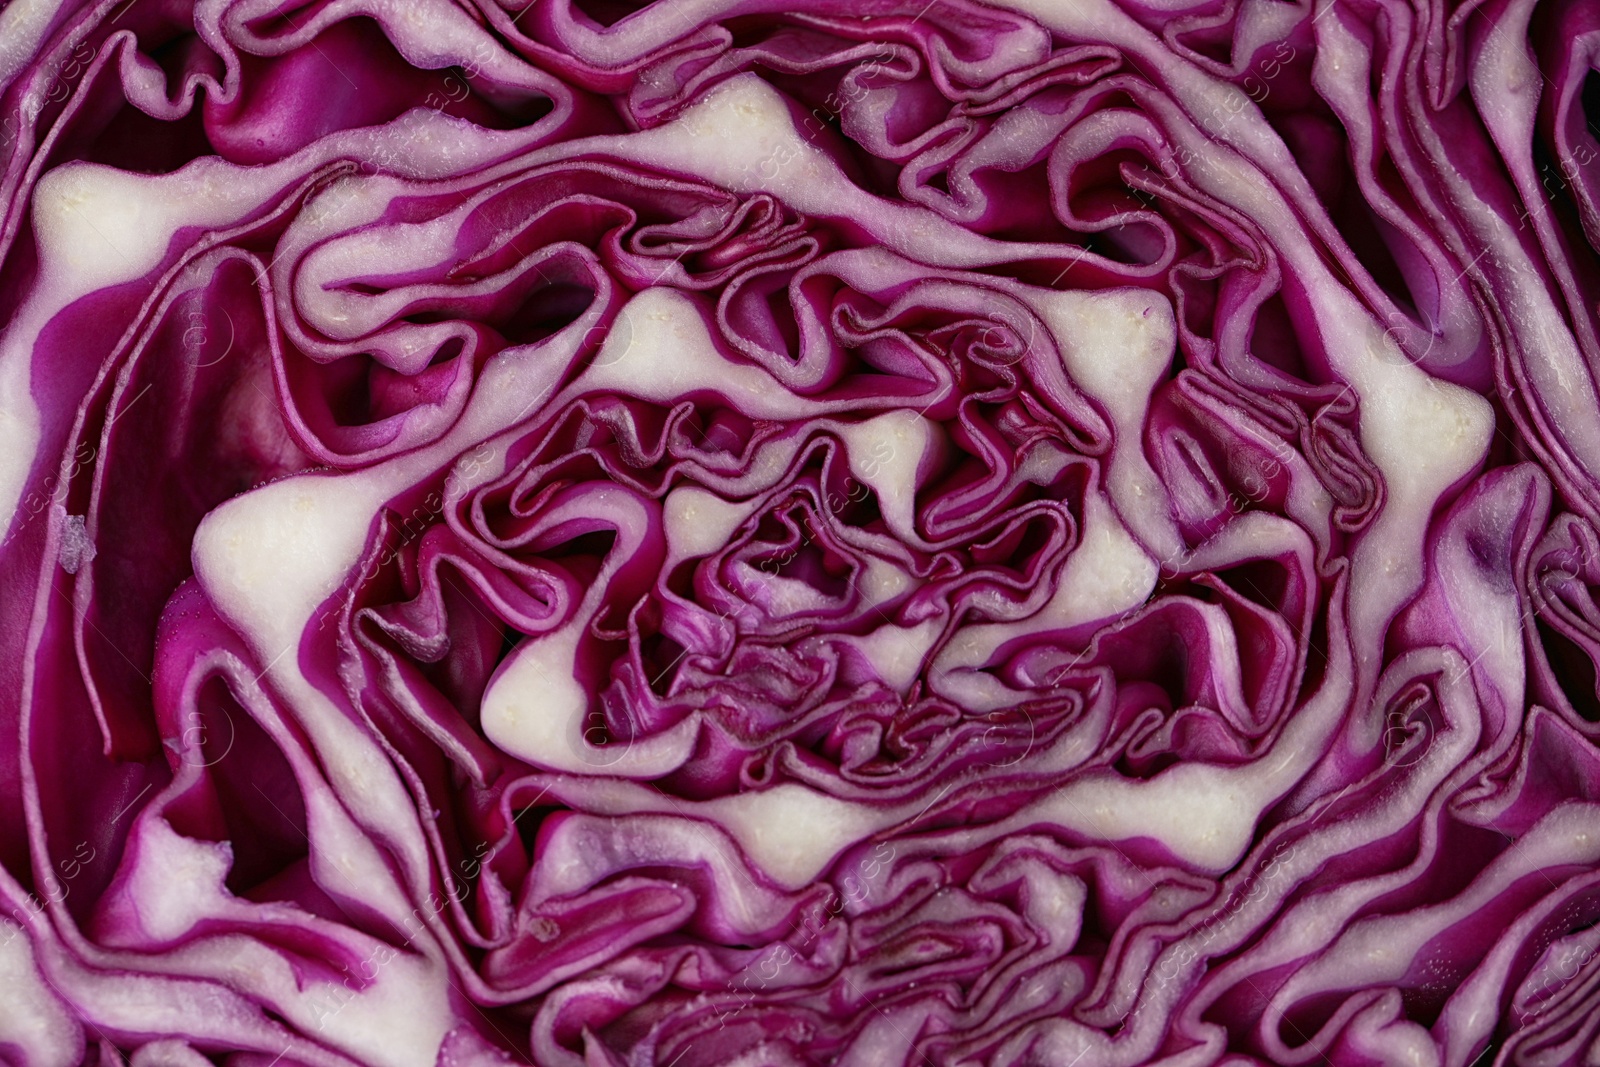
(586, 534)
